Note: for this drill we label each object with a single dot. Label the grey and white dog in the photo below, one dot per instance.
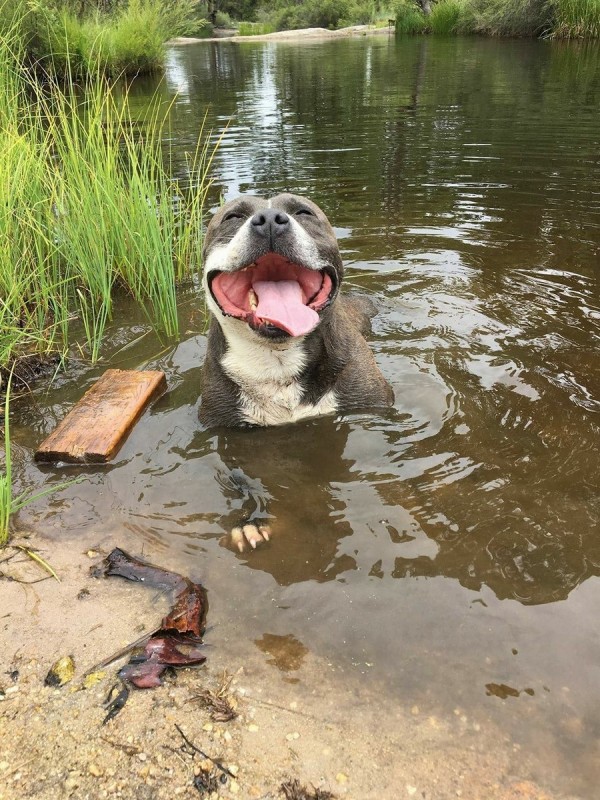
(283, 344)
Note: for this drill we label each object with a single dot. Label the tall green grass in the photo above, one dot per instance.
(87, 208)
(118, 38)
(9, 503)
(445, 17)
(409, 18)
(255, 28)
(566, 19)
(130, 41)
(576, 19)
(522, 18)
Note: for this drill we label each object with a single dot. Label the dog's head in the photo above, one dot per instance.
(272, 265)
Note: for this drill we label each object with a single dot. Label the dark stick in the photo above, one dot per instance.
(203, 754)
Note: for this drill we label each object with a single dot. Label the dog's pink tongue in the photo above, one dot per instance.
(280, 303)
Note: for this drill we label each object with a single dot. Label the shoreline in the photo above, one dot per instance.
(300, 716)
(292, 35)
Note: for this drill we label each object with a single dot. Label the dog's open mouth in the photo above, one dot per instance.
(274, 292)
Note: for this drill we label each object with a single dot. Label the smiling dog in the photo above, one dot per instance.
(282, 345)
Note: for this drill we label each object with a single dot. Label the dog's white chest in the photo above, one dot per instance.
(267, 375)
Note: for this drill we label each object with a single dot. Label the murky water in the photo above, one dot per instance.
(451, 545)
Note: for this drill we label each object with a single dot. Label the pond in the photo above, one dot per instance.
(447, 549)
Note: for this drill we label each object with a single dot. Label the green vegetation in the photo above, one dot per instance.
(87, 209)
(546, 18)
(445, 17)
(126, 37)
(255, 28)
(9, 505)
(576, 19)
(290, 15)
(409, 18)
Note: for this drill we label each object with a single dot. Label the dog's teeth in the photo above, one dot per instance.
(252, 299)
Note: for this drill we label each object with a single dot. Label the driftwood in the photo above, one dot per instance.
(96, 427)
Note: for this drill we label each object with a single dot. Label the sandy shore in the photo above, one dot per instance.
(299, 716)
(301, 34)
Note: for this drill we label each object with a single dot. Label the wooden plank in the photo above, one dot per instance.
(96, 427)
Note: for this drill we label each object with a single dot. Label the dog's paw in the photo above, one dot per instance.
(249, 536)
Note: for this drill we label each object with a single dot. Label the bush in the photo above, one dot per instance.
(223, 20)
(576, 19)
(362, 14)
(127, 40)
(255, 28)
(506, 17)
(312, 14)
(87, 207)
(445, 17)
(409, 18)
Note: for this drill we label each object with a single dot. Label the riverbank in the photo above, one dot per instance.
(301, 35)
(300, 717)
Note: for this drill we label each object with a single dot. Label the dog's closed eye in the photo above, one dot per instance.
(233, 215)
(306, 211)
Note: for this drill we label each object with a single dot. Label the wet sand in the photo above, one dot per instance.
(300, 717)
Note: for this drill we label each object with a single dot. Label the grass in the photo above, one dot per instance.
(445, 17)
(564, 19)
(121, 38)
(255, 28)
(576, 19)
(409, 19)
(129, 42)
(9, 504)
(88, 208)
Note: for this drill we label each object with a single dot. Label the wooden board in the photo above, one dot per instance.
(96, 427)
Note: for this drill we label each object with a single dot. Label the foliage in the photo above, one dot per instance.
(86, 208)
(546, 18)
(445, 16)
(506, 17)
(9, 504)
(286, 15)
(576, 19)
(224, 20)
(255, 28)
(128, 38)
(238, 9)
(409, 18)
(129, 42)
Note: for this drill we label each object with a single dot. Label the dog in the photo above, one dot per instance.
(283, 344)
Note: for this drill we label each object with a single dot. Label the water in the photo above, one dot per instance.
(451, 545)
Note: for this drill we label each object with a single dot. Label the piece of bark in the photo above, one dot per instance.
(96, 427)
(176, 643)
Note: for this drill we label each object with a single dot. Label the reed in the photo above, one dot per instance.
(10, 504)
(409, 18)
(445, 17)
(255, 28)
(88, 208)
(576, 19)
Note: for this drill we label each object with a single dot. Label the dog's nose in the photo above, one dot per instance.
(270, 223)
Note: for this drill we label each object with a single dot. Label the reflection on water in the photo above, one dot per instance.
(450, 544)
